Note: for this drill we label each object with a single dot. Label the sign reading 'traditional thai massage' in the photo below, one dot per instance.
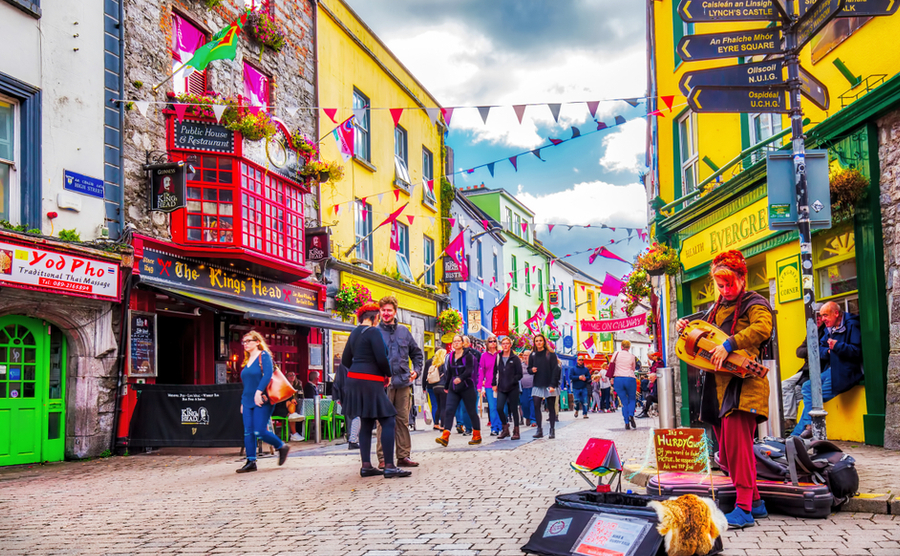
(31, 268)
(614, 325)
(680, 450)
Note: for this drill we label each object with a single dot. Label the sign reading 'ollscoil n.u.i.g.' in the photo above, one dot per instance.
(40, 269)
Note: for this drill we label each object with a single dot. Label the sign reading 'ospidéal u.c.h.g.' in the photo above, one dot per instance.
(737, 231)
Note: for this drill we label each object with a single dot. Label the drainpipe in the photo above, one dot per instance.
(315, 39)
(121, 118)
(123, 342)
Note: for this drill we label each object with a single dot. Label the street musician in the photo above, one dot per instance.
(731, 404)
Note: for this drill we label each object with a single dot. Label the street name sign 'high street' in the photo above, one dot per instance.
(695, 11)
(735, 99)
(730, 45)
(759, 74)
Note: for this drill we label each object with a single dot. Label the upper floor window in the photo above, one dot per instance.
(256, 87)
(496, 273)
(429, 260)
(401, 159)
(403, 254)
(9, 190)
(509, 220)
(689, 154)
(427, 176)
(186, 39)
(259, 5)
(362, 143)
(479, 260)
(527, 279)
(362, 215)
(518, 229)
(571, 300)
(540, 280)
(590, 303)
(763, 126)
(515, 272)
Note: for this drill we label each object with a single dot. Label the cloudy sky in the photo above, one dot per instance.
(501, 53)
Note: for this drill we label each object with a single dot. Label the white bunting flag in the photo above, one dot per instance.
(142, 106)
(434, 114)
(218, 110)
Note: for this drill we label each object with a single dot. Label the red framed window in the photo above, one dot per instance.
(210, 201)
(186, 39)
(271, 215)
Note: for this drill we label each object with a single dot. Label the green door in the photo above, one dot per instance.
(32, 408)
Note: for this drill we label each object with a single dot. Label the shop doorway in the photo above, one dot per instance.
(176, 338)
(32, 391)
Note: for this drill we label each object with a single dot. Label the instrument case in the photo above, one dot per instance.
(804, 500)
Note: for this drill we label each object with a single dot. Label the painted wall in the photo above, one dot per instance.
(21, 34)
(560, 275)
(351, 56)
(585, 310)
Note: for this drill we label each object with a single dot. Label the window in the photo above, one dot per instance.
(763, 126)
(590, 302)
(401, 160)
(362, 143)
(427, 175)
(271, 214)
(516, 316)
(363, 218)
(571, 300)
(496, 269)
(689, 155)
(509, 220)
(8, 160)
(835, 263)
(186, 39)
(527, 279)
(518, 228)
(210, 202)
(540, 280)
(429, 260)
(479, 260)
(256, 87)
(515, 273)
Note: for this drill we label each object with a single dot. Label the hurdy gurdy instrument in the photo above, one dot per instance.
(698, 340)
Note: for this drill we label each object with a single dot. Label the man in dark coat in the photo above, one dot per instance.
(840, 354)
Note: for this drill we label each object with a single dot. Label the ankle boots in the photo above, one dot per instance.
(504, 433)
(476, 437)
(539, 433)
(515, 434)
(552, 431)
(444, 438)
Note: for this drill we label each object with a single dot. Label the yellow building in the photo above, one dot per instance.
(393, 165)
(590, 304)
(708, 188)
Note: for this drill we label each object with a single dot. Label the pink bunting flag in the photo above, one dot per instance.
(656, 113)
(410, 217)
(592, 107)
(395, 115)
(520, 111)
(550, 228)
(525, 230)
(180, 109)
(611, 285)
(485, 224)
(669, 99)
(362, 200)
(397, 195)
(605, 253)
(555, 141)
(448, 113)
(431, 185)
(470, 170)
(452, 221)
(254, 110)
(331, 113)
(514, 163)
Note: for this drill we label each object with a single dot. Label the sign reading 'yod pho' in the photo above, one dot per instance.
(167, 186)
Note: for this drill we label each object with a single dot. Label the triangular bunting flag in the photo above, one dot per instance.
(364, 214)
(588, 226)
(337, 209)
(380, 198)
(537, 153)
(491, 168)
(520, 111)
(397, 195)
(575, 132)
(448, 113)
(291, 110)
(656, 113)
(430, 184)
(254, 110)
(668, 100)
(632, 101)
(555, 141)
(451, 221)
(525, 230)
(484, 111)
(554, 109)
(410, 218)
(143, 105)
(592, 107)
(219, 110)
(395, 115)
(470, 170)
(433, 114)
(620, 120)
(360, 113)
(514, 163)
(550, 228)
(485, 224)
(601, 125)
(431, 218)
(362, 200)
(180, 109)
(331, 113)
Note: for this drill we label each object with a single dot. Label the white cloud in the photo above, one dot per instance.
(592, 203)
(625, 148)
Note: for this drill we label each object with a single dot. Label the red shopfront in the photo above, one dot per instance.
(235, 264)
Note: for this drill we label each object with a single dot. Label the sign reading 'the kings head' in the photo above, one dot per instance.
(167, 186)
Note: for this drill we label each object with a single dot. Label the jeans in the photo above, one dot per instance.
(256, 425)
(791, 394)
(469, 399)
(625, 389)
(461, 415)
(496, 425)
(434, 406)
(581, 399)
(527, 406)
(604, 399)
(827, 395)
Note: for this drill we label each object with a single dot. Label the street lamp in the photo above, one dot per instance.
(493, 230)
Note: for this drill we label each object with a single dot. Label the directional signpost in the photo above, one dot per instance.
(814, 20)
(738, 99)
(760, 74)
(869, 8)
(813, 89)
(730, 45)
(695, 11)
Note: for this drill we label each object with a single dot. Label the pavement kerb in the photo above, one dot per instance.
(872, 503)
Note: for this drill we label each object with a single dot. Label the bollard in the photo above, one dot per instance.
(317, 413)
(665, 390)
(774, 425)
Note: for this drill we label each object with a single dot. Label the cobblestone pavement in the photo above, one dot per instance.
(461, 501)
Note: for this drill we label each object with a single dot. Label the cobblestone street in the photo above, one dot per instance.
(461, 501)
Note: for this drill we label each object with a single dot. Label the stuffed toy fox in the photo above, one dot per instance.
(689, 524)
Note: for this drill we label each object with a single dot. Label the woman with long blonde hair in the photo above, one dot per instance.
(433, 382)
(256, 410)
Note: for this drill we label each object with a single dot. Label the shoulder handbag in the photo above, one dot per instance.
(279, 388)
(611, 369)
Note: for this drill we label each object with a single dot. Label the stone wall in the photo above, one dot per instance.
(889, 160)
(91, 371)
(148, 61)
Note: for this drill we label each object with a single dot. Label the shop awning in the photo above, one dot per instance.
(253, 310)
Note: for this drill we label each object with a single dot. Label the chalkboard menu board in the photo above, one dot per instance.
(141, 344)
(199, 136)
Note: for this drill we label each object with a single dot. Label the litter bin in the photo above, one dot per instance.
(665, 387)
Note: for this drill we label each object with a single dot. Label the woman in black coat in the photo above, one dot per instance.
(459, 382)
(507, 374)
(544, 365)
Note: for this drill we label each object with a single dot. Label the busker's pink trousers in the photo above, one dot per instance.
(735, 435)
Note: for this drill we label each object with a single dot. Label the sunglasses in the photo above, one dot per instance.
(248, 341)
(492, 341)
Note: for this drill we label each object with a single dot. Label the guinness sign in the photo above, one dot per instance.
(167, 186)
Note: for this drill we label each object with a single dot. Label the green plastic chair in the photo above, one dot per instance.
(307, 410)
(326, 414)
(340, 422)
(284, 427)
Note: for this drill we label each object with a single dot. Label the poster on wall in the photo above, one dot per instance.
(788, 275)
(338, 342)
(141, 344)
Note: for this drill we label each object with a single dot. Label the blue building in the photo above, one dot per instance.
(476, 298)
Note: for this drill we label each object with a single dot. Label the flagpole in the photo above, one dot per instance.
(167, 79)
(429, 267)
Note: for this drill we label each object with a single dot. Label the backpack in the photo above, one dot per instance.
(819, 462)
(434, 374)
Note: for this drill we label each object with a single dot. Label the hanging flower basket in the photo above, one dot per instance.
(658, 260)
(350, 298)
(262, 28)
(450, 321)
(637, 288)
(848, 187)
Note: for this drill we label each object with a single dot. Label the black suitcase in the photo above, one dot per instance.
(804, 500)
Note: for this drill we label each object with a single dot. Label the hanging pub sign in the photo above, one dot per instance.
(317, 244)
(163, 268)
(141, 344)
(201, 136)
(167, 186)
(553, 297)
(452, 271)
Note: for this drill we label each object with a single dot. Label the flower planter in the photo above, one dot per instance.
(656, 271)
(323, 176)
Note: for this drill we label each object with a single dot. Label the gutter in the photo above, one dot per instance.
(121, 119)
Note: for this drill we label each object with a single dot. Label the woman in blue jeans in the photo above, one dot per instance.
(624, 381)
(256, 410)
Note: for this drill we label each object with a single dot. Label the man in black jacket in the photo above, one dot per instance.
(581, 381)
(401, 349)
(791, 387)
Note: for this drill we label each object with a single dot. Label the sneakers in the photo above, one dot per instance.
(283, 453)
(353, 445)
(739, 518)
(758, 511)
(296, 437)
(296, 416)
(576, 414)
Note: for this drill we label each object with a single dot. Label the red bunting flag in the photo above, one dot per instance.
(337, 208)
(656, 113)
(180, 109)
(410, 218)
(520, 111)
(395, 115)
(395, 236)
(397, 195)
(331, 113)
(431, 185)
(448, 113)
(668, 100)
(393, 215)
(555, 141)
(485, 224)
